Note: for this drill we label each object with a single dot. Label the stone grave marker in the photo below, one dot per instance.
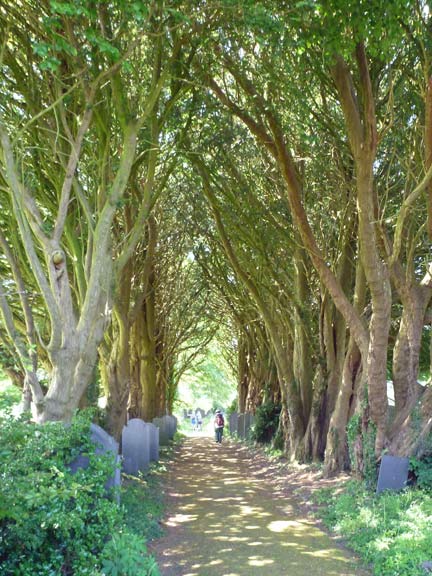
(173, 425)
(136, 447)
(393, 473)
(248, 423)
(241, 426)
(154, 441)
(170, 423)
(163, 431)
(104, 444)
(233, 423)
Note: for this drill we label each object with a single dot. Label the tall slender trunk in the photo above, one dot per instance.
(406, 353)
(243, 373)
(303, 366)
(336, 454)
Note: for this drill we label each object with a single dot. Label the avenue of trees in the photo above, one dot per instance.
(172, 172)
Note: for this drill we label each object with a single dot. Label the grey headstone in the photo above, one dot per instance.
(249, 422)
(136, 447)
(163, 431)
(233, 423)
(170, 424)
(393, 473)
(154, 441)
(185, 414)
(104, 444)
(241, 426)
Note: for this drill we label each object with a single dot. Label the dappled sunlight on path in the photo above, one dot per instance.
(220, 522)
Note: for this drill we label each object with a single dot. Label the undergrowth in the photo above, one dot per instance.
(392, 532)
(54, 522)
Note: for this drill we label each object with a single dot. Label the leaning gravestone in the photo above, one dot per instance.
(154, 441)
(241, 426)
(136, 447)
(163, 431)
(103, 444)
(233, 423)
(393, 473)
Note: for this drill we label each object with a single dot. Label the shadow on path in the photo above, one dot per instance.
(220, 522)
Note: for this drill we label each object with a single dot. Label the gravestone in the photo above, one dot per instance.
(249, 422)
(393, 473)
(170, 423)
(136, 447)
(154, 441)
(103, 444)
(241, 426)
(173, 428)
(163, 431)
(233, 423)
(185, 414)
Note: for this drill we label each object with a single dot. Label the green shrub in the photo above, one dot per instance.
(422, 469)
(10, 396)
(52, 521)
(233, 407)
(126, 555)
(391, 531)
(266, 422)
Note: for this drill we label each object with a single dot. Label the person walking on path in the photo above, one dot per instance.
(199, 420)
(219, 424)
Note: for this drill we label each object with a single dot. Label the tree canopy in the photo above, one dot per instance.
(174, 171)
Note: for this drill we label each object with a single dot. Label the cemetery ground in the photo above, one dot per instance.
(231, 512)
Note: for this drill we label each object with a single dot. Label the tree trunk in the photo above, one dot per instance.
(336, 455)
(303, 366)
(243, 373)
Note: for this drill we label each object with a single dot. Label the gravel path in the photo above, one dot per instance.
(223, 521)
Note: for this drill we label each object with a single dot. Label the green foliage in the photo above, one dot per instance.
(56, 522)
(390, 531)
(422, 469)
(126, 555)
(88, 38)
(52, 521)
(233, 407)
(209, 383)
(143, 506)
(9, 397)
(338, 25)
(266, 422)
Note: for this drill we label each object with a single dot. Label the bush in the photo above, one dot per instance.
(266, 422)
(422, 469)
(390, 531)
(126, 555)
(52, 521)
(10, 396)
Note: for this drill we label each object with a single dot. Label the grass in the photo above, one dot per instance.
(142, 499)
(392, 532)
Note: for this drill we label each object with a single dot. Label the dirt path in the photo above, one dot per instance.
(221, 521)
